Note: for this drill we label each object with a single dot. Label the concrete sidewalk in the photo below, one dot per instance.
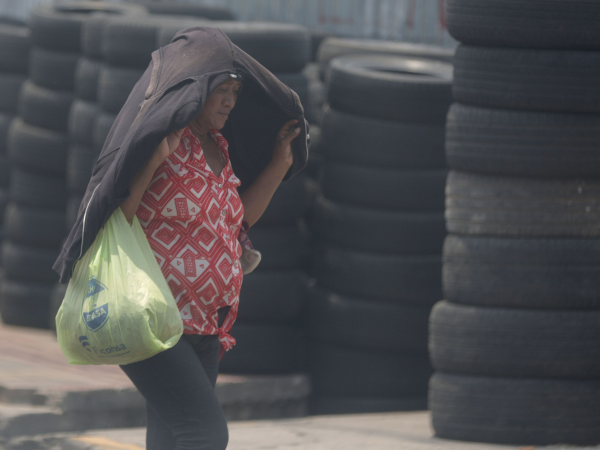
(41, 393)
(387, 431)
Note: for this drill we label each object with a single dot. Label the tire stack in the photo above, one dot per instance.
(38, 145)
(269, 332)
(516, 343)
(15, 43)
(380, 224)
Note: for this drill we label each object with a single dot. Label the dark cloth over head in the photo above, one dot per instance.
(170, 94)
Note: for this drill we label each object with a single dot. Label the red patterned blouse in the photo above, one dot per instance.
(192, 219)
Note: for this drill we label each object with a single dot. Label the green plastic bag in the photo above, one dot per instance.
(118, 308)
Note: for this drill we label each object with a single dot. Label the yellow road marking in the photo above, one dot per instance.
(108, 444)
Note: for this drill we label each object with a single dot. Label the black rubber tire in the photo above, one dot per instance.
(522, 273)
(332, 47)
(130, 41)
(264, 349)
(44, 108)
(281, 247)
(4, 199)
(522, 143)
(502, 206)
(115, 85)
(396, 278)
(527, 23)
(391, 88)
(37, 149)
(289, 203)
(506, 342)
(534, 80)
(34, 226)
(58, 294)
(26, 263)
(391, 189)
(15, 44)
(53, 69)
(203, 11)
(280, 47)
(4, 171)
(10, 87)
(366, 324)
(347, 372)
(80, 163)
(73, 204)
(378, 230)
(515, 411)
(40, 191)
(387, 145)
(322, 405)
(82, 119)
(25, 304)
(273, 296)
(102, 125)
(87, 74)
(5, 123)
(58, 26)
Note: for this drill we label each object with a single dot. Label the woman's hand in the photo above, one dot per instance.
(283, 150)
(167, 146)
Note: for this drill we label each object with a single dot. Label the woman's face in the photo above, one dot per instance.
(218, 105)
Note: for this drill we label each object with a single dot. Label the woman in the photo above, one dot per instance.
(167, 160)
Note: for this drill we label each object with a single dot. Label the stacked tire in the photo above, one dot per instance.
(38, 146)
(380, 224)
(515, 344)
(15, 43)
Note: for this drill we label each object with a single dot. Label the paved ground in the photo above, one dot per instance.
(389, 431)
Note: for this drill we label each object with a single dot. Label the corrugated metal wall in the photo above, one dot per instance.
(401, 20)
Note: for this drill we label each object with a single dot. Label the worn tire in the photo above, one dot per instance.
(506, 342)
(515, 411)
(26, 263)
(289, 203)
(391, 88)
(15, 44)
(527, 23)
(87, 74)
(390, 189)
(10, 87)
(34, 226)
(5, 124)
(4, 171)
(377, 230)
(388, 144)
(37, 149)
(203, 11)
(264, 349)
(281, 247)
(45, 108)
(280, 47)
(522, 272)
(522, 143)
(82, 119)
(58, 26)
(53, 69)
(323, 405)
(503, 206)
(36, 190)
(395, 278)
(534, 80)
(25, 304)
(348, 372)
(366, 324)
(333, 47)
(115, 85)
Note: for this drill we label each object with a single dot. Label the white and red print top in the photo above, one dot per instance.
(192, 219)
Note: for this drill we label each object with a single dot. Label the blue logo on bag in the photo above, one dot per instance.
(97, 317)
(84, 342)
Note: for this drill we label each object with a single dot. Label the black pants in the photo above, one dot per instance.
(182, 408)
